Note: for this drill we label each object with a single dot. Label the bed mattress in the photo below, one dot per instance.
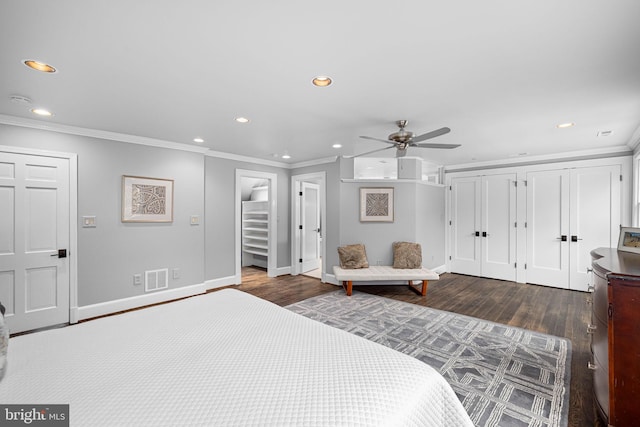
(223, 358)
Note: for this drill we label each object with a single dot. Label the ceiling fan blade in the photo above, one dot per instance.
(446, 146)
(378, 139)
(368, 152)
(432, 134)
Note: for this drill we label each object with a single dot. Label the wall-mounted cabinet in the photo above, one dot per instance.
(255, 233)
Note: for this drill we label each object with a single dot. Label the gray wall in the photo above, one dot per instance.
(430, 224)
(110, 254)
(220, 193)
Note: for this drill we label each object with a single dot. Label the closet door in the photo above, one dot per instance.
(498, 234)
(483, 226)
(548, 227)
(595, 217)
(466, 226)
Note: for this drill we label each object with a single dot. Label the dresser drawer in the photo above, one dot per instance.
(600, 298)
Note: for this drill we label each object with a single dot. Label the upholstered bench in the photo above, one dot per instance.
(384, 272)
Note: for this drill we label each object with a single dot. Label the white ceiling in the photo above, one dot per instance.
(500, 73)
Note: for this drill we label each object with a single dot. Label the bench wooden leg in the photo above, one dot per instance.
(348, 286)
(422, 291)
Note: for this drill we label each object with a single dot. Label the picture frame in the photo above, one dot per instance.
(629, 239)
(376, 204)
(147, 199)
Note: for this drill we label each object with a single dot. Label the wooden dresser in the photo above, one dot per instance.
(615, 336)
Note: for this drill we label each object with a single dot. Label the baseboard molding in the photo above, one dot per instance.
(281, 271)
(221, 282)
(110, 307)
(440, 269)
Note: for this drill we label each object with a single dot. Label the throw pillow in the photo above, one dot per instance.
(353, 256)
(407, 255)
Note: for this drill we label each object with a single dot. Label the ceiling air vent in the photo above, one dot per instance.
(605, 132)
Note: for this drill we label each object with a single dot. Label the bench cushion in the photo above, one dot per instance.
(384, 272)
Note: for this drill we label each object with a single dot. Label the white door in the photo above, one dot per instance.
(466, 226)
(310, 221)
(483, 226)
(548, 227)
(498, 234)
(595, 217)
(34, 225)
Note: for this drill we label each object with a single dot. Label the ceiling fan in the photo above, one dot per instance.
(403, 139)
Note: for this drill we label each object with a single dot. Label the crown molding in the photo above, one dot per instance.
(101, 134)
(247, 159)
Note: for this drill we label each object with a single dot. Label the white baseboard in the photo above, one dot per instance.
(440, 269)
(221, 282)
(281, 271)
(101, 309)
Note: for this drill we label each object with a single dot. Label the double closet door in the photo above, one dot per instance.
(483, 225)
(534, 226)
(569, 213)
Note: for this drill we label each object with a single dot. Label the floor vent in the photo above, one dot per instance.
(156, 279)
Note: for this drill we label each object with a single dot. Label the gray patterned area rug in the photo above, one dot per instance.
(504, 376)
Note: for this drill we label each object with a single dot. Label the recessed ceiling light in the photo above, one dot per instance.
(286, 156)
(322, 81)
(42, 112)
(565, 125)
(337, 145)
(20, 100)
(39, 66)
(198, 140)
(242, 120)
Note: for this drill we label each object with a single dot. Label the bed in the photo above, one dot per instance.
(223, 358)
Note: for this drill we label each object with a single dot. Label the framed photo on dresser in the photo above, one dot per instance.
(629, 240)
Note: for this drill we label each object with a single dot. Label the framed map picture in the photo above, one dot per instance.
(147, 199)
(376, 204)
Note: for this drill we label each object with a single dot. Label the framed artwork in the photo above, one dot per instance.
(629, 240)
(147, 199)
(376, 204)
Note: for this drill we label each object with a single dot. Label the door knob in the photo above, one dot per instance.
(62, 253)
(563, 238)
(574, 238)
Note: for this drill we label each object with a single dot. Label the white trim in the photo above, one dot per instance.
(281, 271)
(221, 282)
(597, 153)
(272, 260)
(391, 181)
(73, 217)
(314, 162)
(110, 307)
(441, 269)
(296, 181)
(101, 134)
(246, 159)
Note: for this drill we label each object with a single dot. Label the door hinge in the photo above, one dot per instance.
(300, 227)
(449, 188)
(300, 260)
(300, 193)
(525, 224)
(450, 222)
(515, 265)
(449, 257)
(515, 183)
(620, 177)
(515, 224)
(525, 182)
(525, 266)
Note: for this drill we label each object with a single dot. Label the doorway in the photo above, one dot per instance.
(256, 221)
(308, 218)
(37, 259)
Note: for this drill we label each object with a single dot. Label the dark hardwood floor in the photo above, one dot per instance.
(548, 310)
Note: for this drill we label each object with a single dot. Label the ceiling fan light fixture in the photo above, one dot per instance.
(39, 66)
(322, 81)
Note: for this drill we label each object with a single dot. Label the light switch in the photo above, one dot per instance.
(195, 219)
(89, 221)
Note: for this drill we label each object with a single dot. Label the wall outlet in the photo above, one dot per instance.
(175, 273)
(137, 279)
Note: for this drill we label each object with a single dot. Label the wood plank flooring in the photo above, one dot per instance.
(548, 310)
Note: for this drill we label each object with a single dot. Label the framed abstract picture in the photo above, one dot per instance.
(629, 240)
(147, 199)
(376, 204)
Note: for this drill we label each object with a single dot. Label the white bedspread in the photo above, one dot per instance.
(224, 358)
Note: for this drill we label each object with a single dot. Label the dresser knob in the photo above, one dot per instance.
(591, 366)
(589, 301)
(591, 288)
(591, 328)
